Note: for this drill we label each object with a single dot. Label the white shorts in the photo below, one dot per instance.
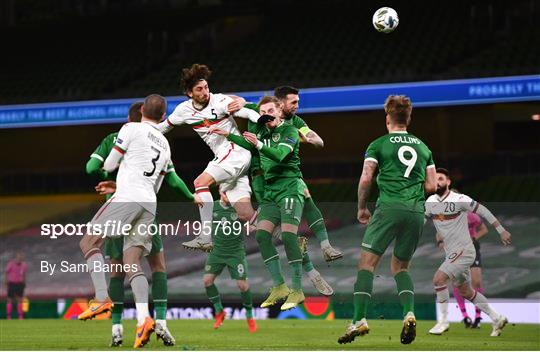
(229, 170)
(457, 265)
(128, 219)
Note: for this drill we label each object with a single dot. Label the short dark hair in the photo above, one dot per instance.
(154, 107)
(442, 170)
(399, 107)
(192, 75)
(135, 113)
(282, 92)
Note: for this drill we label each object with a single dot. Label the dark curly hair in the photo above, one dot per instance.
(192, 75)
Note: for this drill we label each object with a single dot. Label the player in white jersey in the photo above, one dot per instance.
(229, 167)
(145, 156)
(448, 210)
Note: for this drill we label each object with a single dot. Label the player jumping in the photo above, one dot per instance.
(145, 155)
(278, 144)
(231, 163)
(448, 210)
(229, 251)
(406, 171)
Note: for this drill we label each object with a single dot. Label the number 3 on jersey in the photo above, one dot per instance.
(154, 160)
(409, 162)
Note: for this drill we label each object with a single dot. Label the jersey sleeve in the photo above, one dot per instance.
(177, 117)
(221, 103)
(125, 135)
(253, 127)
(372, 152)
(300, 124)
(466, 203)
(430, 162)
(104, 148)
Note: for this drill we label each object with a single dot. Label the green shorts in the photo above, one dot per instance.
(114, 247)
(389, 224)
(236, 263)
(283, 201)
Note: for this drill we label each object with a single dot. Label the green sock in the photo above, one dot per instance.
(307, 265)
(213, 295)
(159, 294)
(315, 220)
(294, 255)
(362, 294)
(270, 256)
(116, 292)
(247, 302)
(405, 290)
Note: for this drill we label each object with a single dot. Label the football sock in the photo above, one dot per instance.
(159, 294)
(316, 221)
(139, 286)
(307, 265)
(481, 302)
(213, 295)
(270, 256)
(443, 295)
(247, 302)
(116, 292)
(362, 294)
(405, 290)
(9, 310)
(294, 256)
(478, 312)
(94, 259)
(206, 210)
(460, 302)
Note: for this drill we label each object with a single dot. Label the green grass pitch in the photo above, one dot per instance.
(272, 335)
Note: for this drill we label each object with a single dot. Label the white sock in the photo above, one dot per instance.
(313, 273)
(99, 280)
(118, 329)
(443, 295)
(325, 243)
(206, 212)
(139, 286)
(162, 322)
(481, 302)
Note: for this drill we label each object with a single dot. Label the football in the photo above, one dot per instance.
(385, 19)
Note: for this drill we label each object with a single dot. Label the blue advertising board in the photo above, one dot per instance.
(313, 100)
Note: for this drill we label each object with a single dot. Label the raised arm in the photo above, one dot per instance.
(490, 218)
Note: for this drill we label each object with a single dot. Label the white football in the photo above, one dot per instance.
(385, 19)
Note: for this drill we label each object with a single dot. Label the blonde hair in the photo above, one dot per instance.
(399, 107)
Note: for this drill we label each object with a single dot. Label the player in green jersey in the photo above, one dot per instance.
(317, 225)
(114, 246)
(283, 202)
(406, 173)
(228, 251)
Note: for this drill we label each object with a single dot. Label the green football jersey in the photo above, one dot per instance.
(105, 147)
(402, 161)
(227, 230)
(283, 135)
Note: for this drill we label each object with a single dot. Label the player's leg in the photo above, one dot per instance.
(156, 260)
(314, 276)
(9, 302)
(239, 271)
(461, 304)
(479, 300)
(202, 187)
(476, 280)
(114, 248)
(19, 299)
(440, 283)
(408, 229)
(214, 265)
(316, 223)
(239, 195)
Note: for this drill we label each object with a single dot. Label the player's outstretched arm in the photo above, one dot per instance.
(249, 114)
(93, 167)
(113, 160)
(430, 185)
(311, 137)
(364, 187)
(177, 184)
(487, 215)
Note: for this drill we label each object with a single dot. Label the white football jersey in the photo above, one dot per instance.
(449, 215)
(147, 156)
(214, 114)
